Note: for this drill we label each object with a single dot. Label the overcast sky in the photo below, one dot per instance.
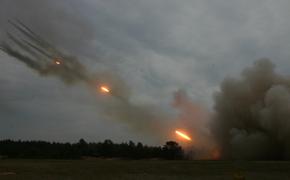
(157, 46)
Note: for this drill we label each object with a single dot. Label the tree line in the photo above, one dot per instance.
(106, 149)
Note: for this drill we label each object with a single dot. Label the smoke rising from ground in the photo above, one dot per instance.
(252, 114)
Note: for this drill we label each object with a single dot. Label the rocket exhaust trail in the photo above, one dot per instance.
(34, 38)
(25, 59)
(29, 48)
(35, 52)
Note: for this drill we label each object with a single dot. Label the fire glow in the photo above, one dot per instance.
(105, 89)
(183, 135)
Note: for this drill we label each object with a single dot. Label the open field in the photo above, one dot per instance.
(151, 169)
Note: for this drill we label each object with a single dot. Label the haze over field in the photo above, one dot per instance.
(171, 65)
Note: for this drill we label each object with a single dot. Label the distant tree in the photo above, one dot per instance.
(83, 147)
(131, 144)
(107, 149)
(139, 151)
(171, 150)
(139, 145)
(82, 142)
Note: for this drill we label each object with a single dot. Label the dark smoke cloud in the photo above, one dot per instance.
(252, 114)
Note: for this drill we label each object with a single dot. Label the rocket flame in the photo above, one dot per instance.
(105, 89)
(57, 62)
(183, 135)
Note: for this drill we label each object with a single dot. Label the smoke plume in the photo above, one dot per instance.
(252, 114)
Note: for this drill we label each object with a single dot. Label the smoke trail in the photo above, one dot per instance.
(252, 114)
(44, 58)
(39, 55)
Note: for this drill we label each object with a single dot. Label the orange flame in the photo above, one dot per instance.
(183, 135)
(105, 89)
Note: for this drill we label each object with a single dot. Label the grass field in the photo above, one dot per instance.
(151, 169)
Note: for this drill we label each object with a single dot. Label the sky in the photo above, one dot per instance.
(157, 47)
